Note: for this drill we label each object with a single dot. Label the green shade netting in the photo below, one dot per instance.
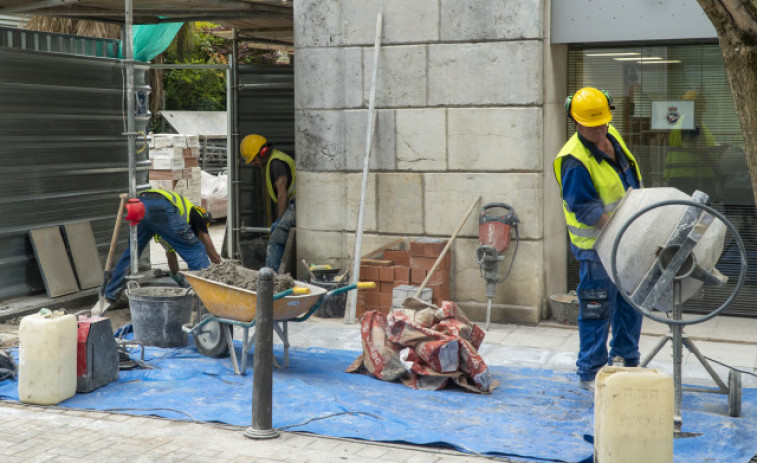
(150, 40)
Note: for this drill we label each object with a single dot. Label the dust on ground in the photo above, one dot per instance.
(240, 277)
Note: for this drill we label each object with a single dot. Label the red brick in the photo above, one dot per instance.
(165, 174)
(191, 162)
(372, 300)
(386, 273)
(440, 276)
(386, 287)
(427, 262)
(369, 273)
(440, 292)
(385, 301)
(427, 247)
(417, 275)
(398, 257)
(401, 274)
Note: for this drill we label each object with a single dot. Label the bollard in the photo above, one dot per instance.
(262, 369)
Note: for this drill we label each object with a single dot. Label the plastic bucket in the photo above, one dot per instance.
(157, 314)
(333, 306)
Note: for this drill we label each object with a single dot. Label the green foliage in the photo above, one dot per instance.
(195, 89)
(203, 90)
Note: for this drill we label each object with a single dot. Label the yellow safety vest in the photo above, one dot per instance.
(183, 205)
(605, 179)
(690, 158)
(281, 156)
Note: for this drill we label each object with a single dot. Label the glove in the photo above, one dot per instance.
(178, 279)
(275, 224)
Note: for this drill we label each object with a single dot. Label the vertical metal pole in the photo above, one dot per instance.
(262, 373)
(130, 128)
(235, 140)
(230, 224)
(677, 351)
(352, 295)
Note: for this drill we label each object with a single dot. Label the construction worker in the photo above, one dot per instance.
(692, 159)
(594, 170)
(178, 225)
(280, 184)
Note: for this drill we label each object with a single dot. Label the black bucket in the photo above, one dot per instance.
(157, 314)
(333, 306)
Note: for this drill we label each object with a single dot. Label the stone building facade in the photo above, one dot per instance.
(469, 100)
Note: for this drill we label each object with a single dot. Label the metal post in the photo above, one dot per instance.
(130, 127)
(235, 190)
(349, 315)
(230, 223)
(677, 351)
(262, 369)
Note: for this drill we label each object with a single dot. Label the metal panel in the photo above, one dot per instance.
(266, 107)
(13, 20)
(58, 43)
(63, 155)
(584, 21)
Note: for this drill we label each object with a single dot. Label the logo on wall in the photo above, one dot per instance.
(672, 115)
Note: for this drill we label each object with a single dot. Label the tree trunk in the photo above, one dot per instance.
(736, 25)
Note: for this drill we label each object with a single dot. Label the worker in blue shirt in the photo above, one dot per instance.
(594, 169)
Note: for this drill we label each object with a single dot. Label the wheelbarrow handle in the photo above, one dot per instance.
(297, 291)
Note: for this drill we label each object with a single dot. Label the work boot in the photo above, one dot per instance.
(618, 361)
(589, 385)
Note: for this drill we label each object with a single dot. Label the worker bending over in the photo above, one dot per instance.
(178, 225)
(280, 184)
(594, 170)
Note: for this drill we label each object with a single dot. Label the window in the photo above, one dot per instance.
(674, 108)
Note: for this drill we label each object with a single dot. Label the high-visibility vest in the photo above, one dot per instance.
(183, 205)
(690, 157)
(606, 181)
(281, 156)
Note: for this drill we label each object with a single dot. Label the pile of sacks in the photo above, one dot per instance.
(425, 347)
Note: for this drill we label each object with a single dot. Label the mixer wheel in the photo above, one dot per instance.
(734, 393)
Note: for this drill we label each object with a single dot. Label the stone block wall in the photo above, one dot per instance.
(460, 100)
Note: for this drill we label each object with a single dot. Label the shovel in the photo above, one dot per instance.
(413, 302)
(102, 303)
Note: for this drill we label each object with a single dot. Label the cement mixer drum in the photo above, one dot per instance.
(649, 235)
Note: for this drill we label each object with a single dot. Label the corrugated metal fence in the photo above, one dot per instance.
(63, 155)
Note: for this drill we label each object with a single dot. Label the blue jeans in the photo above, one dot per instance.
(600, 306)
(161, 218)
(275, 251)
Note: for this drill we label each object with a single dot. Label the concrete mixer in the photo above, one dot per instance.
(660, 248)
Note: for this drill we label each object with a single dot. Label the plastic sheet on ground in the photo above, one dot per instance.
(535, 415)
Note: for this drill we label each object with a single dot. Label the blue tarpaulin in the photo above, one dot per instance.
(535, 415)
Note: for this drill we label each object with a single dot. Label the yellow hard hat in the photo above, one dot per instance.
(250, 147)
(691, 95)
(590, 107)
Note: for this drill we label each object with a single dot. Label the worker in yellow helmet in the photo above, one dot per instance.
(280, 183)
(178, 225)
(594, 169)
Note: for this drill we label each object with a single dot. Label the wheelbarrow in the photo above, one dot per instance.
(227, 306)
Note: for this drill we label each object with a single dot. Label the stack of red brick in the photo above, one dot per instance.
(404, 267)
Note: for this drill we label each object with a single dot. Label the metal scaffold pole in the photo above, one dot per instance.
(131, 125)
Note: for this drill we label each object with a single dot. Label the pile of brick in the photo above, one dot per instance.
(174, 161)
(398, 273)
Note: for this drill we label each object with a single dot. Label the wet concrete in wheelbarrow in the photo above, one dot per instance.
(240, 277)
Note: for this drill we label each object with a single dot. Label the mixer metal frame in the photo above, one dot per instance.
(681, 263)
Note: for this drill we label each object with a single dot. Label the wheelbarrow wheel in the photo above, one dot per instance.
(210, 341)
